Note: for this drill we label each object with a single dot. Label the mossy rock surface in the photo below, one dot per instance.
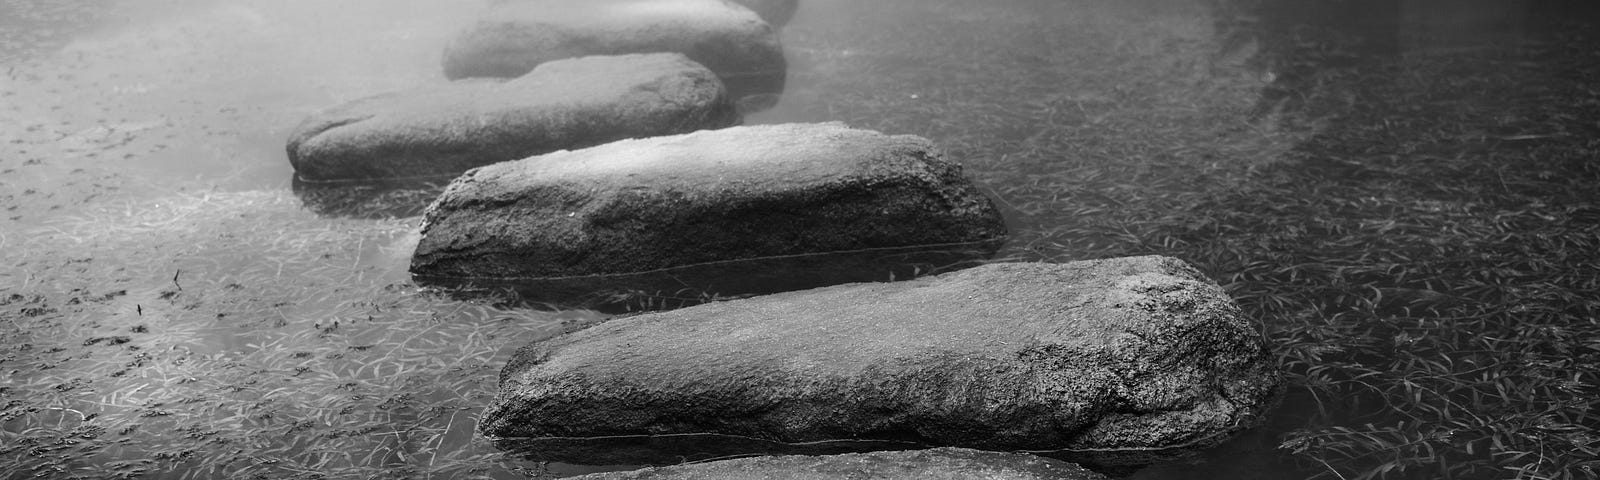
(1114, 363)
(443, 130)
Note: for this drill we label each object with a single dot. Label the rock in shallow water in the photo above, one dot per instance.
(792, 192)
(447, 129)
(932, 464)
(516, 35)
(775, 12)
(1112, 363)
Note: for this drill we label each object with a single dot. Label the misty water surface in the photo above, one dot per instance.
(175, 307)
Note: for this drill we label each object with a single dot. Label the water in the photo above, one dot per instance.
(175, 305)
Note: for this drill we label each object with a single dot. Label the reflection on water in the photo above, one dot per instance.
(1381, 183)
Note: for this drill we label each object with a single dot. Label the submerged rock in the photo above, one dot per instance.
(1113, 363)
(514, 36)
(775, 12)
(621, 213)
(938, 463)
(447, 129)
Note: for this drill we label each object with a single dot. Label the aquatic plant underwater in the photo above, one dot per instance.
(1411, 216)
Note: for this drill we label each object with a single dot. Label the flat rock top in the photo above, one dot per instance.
(995, 309)
(556, 79)
(449, 128)
(937, 464)
(750, 158)
(1121, 361)
(601, 79)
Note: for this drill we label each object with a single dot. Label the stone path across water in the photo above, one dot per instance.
(1117, 363)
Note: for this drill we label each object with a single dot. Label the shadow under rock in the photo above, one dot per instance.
(690, 285)
(663, 450)
(674, 449)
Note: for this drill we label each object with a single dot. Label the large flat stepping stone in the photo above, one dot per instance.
(721, 204)
(514, 36)
(447, 129)
(932, 464)
(1110, 363)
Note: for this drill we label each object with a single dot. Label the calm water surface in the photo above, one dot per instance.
(175, 306)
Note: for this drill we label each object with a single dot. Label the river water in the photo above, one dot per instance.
(176, 307)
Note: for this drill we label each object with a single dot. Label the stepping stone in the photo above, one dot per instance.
(722, 204)
(1112, 363)
(447, 129)
(938, 463)
(516, 35)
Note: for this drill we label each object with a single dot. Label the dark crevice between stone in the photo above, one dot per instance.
(672, 449)
(683, 286)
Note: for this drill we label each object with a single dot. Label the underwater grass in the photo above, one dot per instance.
(1417, 232)
(1435, 247)
(234, 334)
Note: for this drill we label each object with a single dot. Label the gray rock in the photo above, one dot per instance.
(1112, 363)
(516, 35)
(775, 12)
(933, 464)
(447, 129)
(705, 198)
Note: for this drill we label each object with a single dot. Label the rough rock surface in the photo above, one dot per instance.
(775, 12)
(447, 129)
(515, 35)
(1112, 363)
(739, 193)
(932, 464)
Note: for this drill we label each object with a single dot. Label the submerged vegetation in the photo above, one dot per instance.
(1410, 212)
(1429, 261)
(1412, 216)
(225, 335)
